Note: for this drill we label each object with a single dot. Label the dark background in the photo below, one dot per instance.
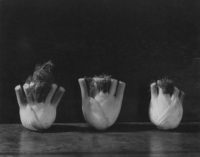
(135, 41)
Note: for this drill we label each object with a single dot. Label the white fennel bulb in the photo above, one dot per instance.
(166, 110)
(102, 104)
(38, 99)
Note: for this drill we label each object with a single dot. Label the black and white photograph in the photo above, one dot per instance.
(98, 78)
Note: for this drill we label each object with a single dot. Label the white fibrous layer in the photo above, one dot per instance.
(37, 116)
(166, 116)
(101, 112)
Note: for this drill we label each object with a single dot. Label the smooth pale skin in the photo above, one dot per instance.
(165, 111)
(102, 111)
(34, 115)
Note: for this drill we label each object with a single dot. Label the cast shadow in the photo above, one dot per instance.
(119, 127)
(187, 128)
(56, 128)
(84, 127)
(131, 127)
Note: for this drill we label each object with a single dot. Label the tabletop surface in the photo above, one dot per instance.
(78, 139)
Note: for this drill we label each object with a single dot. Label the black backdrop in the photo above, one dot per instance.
(135, 41)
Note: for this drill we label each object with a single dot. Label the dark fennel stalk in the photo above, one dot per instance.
(98, 84)
(167, 85)
(40, 82)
